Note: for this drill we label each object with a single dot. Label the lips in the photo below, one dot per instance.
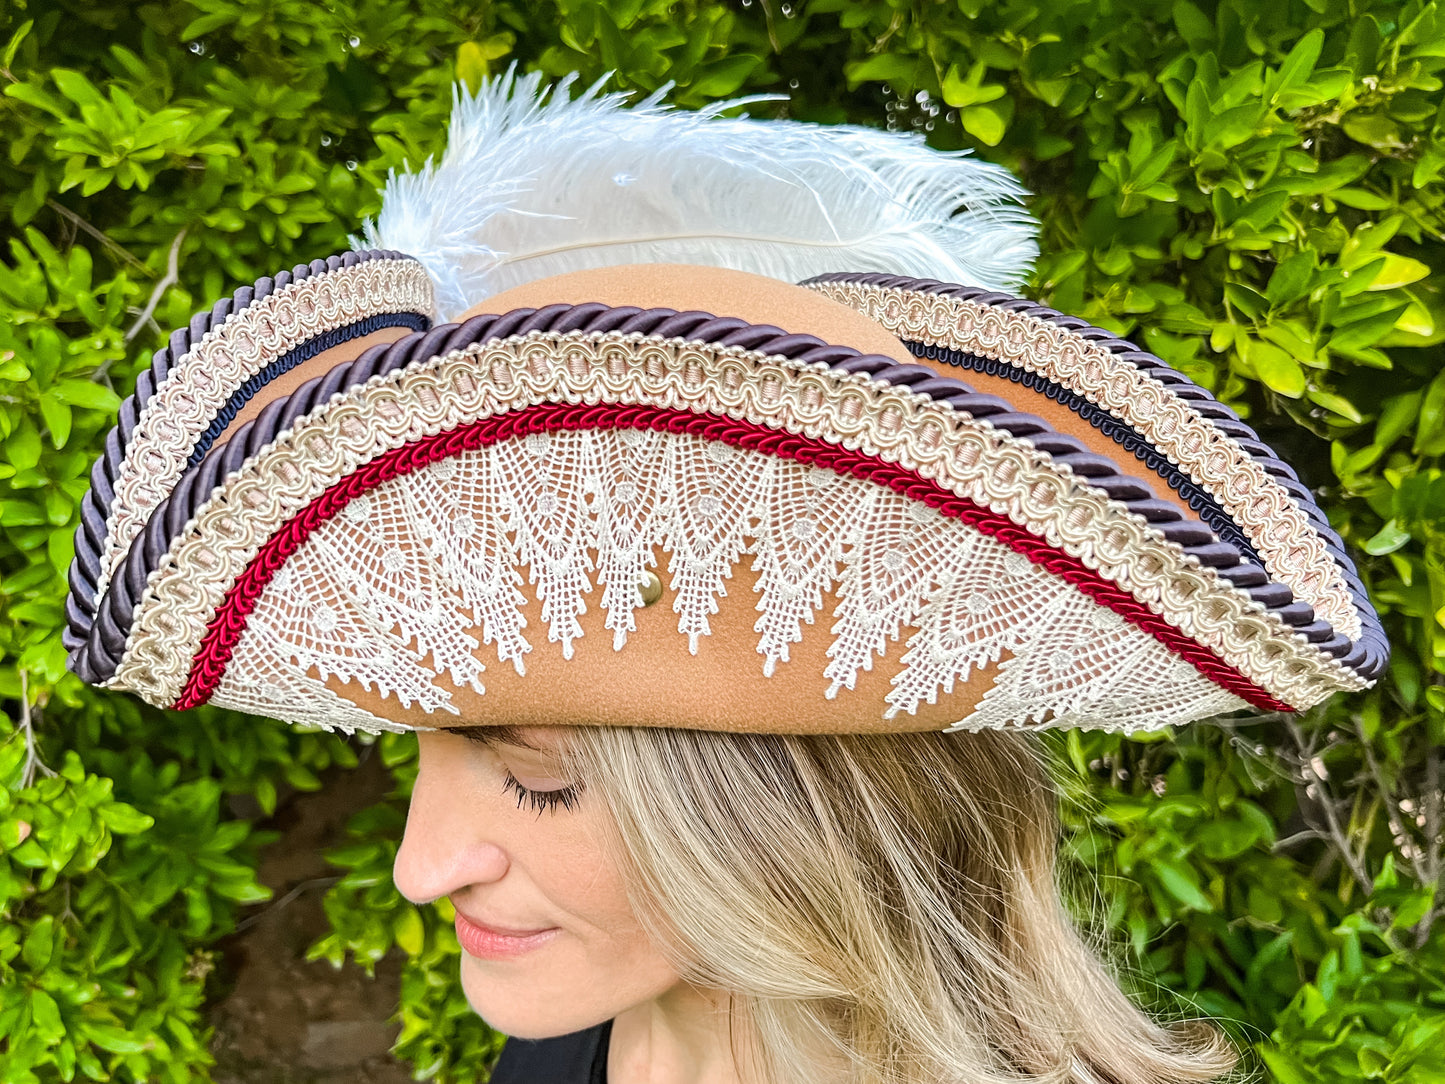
(498, 942)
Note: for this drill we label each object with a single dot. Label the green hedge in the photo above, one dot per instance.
(1251, 190)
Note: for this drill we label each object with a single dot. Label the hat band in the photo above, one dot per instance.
(201, 384)
(1276, 525)
(934, 441)
(229, 622)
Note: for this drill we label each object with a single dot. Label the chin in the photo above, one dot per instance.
(524, 1009)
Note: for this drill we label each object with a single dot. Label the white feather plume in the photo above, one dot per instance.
(535, 183)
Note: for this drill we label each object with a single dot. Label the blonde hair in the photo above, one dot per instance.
(883, 903)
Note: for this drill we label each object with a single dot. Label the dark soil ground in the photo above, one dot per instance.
(282, 1020)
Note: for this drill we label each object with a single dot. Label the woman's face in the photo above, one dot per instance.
(550, 943)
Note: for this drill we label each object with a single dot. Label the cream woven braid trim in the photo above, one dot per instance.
(964, 455)
(383, 594)
(202, 381)
(1288, 544)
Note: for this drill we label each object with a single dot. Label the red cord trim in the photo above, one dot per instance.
(209, 663)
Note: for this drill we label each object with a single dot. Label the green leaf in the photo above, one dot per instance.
(1247, 300)
(77, 88)
(1361, 199)
(124, 819)
(1387, 539)
(471, 65)
(1366, 332)
(1276, 369)
(1291, 278)
(265, 794)
(1194, 26)
(35, 96)
(46, 1014)
(57, 418)
(1430, 423)
(882, 68)
(723, 77)
(409, 932)
(1297, 65)
(206, 23)
(1179, 882)
(962, 91)
(87, 395)
(114, 1039)
(1396, 418)
(987, 123)
(16, 40)
(1336, 404)
(1374, 130)
(1284, 1066)
(1399, 271)
(39, 943)
(22, 450)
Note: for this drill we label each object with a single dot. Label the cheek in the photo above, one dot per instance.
(600, 965)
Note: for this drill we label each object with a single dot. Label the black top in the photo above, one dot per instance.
(579, 1058)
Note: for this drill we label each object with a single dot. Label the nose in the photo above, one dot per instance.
(445, 847)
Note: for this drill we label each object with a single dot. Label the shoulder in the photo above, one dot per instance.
(579, 1058)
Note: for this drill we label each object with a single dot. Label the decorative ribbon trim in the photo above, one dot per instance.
(185, 500)
(229, 622)
(972, 445)
(1196, 496)
(158, 428)
(1127, 382)
(292, 358)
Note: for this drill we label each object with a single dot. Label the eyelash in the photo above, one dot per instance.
(543, 801)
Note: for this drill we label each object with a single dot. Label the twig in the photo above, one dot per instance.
(1298, 837)
(1336, 832)
(104, 238)
(304, 886)
(1392, 814)
(172, 276)
(27, 727)
(772, 33)
(894, 25)
(1431, 798)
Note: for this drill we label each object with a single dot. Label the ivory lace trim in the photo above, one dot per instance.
(1290, 547)
(202, 381)
(382, 593)
(962, 454)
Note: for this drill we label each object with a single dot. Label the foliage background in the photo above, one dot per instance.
(1252, 190)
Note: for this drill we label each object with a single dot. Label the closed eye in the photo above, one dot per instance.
(543, 801)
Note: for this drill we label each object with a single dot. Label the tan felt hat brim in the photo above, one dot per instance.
(796, 309)
(654, 681)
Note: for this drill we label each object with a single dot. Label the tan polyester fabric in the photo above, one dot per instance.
(320, 365)
(654, 680)
(760, 300)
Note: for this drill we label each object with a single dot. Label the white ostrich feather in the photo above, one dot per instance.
(535, 183)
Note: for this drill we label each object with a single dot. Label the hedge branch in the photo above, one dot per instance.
(1333, 830)
(172, 277)
(295, 893)
(1416, 856)
(27, 727)
(100, 235)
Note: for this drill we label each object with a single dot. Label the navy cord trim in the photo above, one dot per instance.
(1122, 434)
(292, 358)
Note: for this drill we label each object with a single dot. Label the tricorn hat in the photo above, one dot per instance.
(731, 428)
